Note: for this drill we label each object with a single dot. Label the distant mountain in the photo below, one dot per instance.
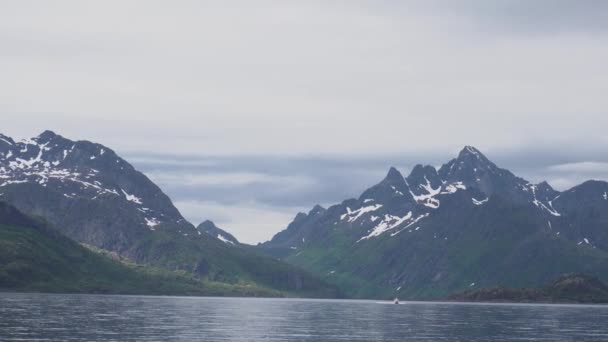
(209, 228)
(35, 257)
(468, 224)
(570, 288)
(90, 194)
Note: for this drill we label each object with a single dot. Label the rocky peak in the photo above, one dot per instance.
(47, 136)
(393, 176)
(470, 161)
(6, 141)
(208, 227)
(423, 177)
(317, 210)
(545, 192)
(207, 224)
(473, 169)
(471, 152)
(84, 171)
(391, 187)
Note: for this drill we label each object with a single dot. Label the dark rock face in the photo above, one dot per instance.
(209, 228)
(438, 231)
(85, 190)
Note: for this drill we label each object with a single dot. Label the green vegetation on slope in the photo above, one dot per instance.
(474, 246)
(212, 260)
(34, 257)
(570, 288)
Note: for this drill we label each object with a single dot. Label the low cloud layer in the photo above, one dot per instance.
(255, 197)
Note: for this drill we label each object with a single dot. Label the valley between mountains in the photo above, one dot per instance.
(437, 231)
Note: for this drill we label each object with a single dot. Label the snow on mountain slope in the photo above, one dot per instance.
(82, 170)
(397, 203)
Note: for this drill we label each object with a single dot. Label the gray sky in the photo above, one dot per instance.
(247, 112)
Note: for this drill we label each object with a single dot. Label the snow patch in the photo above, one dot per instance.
(413, 222)
(131, 198)
(549, 208)
(224, 240)
(479, 202)
(389, 222)
(9, 182)
(585, 241)
(152, 222)
(397, 191)
(452, 188)
(356, 214)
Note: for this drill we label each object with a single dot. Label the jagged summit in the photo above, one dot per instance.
(5, 140)
(65, 172)
(423, 176)
(392, 186)
(393, 175)
(47, 135)
(471, 158)
(317, 209)
(470, 151)
(207, 224)
(428, 231)
(208, 227)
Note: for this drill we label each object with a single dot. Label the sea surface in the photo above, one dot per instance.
(51, 317)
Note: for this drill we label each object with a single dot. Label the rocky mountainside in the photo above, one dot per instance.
(467, 224)
(90, 194)
(85, 187)
(209, 228)
(36, 257)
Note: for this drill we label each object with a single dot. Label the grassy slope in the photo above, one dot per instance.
(498, 244)
(217, 262)
(37, 258)
(570, 288)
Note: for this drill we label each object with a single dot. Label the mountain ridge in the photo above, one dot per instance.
(371, 242)
(94, 197)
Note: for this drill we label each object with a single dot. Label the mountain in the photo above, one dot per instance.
(35, 257)
(91, 195)
(209, 228)
(569, 288)
(468, 224)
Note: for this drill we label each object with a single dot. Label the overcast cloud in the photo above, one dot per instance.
(246, 112)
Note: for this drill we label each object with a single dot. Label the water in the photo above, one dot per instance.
(44, 317)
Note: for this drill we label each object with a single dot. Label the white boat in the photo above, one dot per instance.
(396, 301)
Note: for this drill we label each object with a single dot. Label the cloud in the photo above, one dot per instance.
(293, 78)
(522, 17)
(585, 167)
(275, 105)
(250, 222)
(228, 179)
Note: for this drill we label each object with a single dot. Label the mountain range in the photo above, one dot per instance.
(89, 194)
(468, 224)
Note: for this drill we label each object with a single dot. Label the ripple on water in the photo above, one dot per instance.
(45, 317)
